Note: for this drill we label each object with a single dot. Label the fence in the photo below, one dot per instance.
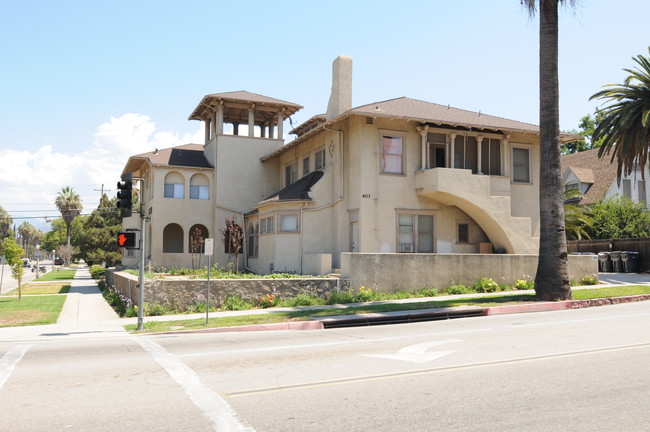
(640, 245)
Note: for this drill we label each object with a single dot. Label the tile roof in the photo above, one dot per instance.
(188, 155)
(589, 168)
(239, 102)
(424, 112)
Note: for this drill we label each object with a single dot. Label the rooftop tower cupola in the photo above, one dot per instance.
(243, 108)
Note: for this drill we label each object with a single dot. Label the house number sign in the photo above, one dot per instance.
(365, 196)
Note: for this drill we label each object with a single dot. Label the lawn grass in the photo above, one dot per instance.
(307, 314)
(31, 310)
(42, 288)
(65, 274)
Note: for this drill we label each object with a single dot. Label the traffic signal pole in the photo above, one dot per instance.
(143, 219)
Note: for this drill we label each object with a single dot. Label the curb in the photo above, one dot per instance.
(563, 305)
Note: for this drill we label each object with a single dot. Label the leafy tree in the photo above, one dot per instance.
(13, 253)
(232, 237)
(5, 223)
(618, 217)
(69, 204)
(552, 277)
(588, 125)
(625, 126)
(96, 241)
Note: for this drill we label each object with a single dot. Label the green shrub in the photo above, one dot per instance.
(524, 284)
(341, 297)
(589, 280)
(427, 292)
(155, 309)
(459, 289)
(486, 285)
(97, 271)
(301, 300)
(236, 303)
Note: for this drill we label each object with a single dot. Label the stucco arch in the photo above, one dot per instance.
(173, 238)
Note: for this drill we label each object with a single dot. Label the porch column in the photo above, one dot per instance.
(505, 151)
(235, 128)
(251, 120)
(425, 160)
(207, 124)
(213, 124)
(479, 139)
(219, 123)
(452, 137)
(262, 131)
(281, 124)
(271, 128)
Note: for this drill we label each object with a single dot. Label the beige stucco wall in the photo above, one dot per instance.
(394, 272)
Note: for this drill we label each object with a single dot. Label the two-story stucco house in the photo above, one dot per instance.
(396, 176)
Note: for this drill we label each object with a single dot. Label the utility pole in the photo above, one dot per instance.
(101, 200)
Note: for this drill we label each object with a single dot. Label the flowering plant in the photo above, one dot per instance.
(268, 301)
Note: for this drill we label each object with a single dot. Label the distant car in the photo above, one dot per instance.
(58, 261)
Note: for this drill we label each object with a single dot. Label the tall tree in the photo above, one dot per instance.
(14, 253)
(69, 204)
(588, 125)
(5, 223)
(552, 277)
(625, 126)
(96, 241)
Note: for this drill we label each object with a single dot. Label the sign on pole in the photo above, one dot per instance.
(209, 246)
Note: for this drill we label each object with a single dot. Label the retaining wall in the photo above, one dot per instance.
(180, 293)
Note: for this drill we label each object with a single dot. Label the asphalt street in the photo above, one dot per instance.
(582, 369)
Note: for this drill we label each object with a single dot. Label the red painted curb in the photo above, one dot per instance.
(562, 305)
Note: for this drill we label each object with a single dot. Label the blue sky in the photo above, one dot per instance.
(87, 84)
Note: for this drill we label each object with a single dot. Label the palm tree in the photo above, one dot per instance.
(576, 218)
(5, 222)
(552, 277)
(69, 204)
(625, 126)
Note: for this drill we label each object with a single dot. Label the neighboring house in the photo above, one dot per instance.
(596, 180)
(396, 176)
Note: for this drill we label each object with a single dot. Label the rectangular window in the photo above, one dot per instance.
(641, 191)
(491, 156)
(289, 174)
(392, 149)
(199, 192)
(173, 190)
(266, 225)
(415, 233)
(320, 159)
(288, 223)
(521, 165)
(627, 188)
(305, 166)
(463, 233)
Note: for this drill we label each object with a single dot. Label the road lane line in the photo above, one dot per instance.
(213, 406)
(9, 360)
(430, 371)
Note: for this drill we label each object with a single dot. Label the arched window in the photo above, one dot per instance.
(174, 185)
(197, 235)
(173, 239)
(199, 187)
(251, 241)
(257, 239)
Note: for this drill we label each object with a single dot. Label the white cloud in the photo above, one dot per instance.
(31, 180)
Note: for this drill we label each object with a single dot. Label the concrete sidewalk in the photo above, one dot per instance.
(85, 313)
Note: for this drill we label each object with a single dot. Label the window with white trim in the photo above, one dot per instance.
(521, 165)
(491, 156)
(266, 225)
(392, 153)
(641, 191)
(415, 233)
(305, 166)
(627, 188)
(319, 159)
(199, 187)
(288, 223)
(465, 153)
(174, 185)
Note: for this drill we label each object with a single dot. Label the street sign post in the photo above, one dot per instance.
(208, 250)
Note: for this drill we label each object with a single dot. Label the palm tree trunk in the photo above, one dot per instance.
(552, 277)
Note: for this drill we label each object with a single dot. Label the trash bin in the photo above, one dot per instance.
(605, 262)
(630, 261)
(617, 264)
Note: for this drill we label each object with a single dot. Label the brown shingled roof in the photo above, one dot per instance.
(589, 168)
(237, 104)
(426, 112)
(188, 155)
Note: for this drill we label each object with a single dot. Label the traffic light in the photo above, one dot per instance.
(126, 239)
(124, 195)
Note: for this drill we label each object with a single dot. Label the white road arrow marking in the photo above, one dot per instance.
(418, 353)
